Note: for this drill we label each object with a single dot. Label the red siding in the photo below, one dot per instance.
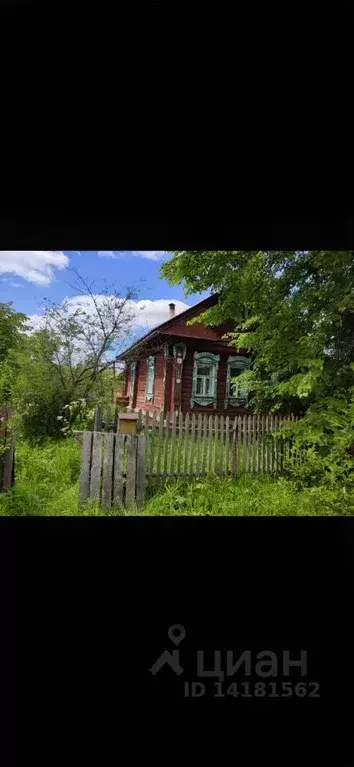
(180, 328)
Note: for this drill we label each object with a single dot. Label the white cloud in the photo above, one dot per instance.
(37, 266)
(150, 313)
(152, 255)
(147, 314)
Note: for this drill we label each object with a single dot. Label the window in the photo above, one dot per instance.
(150, 378)
(205, 379)
(132, 368)
(234, 395)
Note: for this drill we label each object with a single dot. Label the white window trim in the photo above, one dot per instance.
(205, 358)
(242, 363)
(150, 366)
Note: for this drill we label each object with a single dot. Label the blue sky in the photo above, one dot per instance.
(27, 277)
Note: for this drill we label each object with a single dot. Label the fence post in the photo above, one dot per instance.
(98, 418)
(140, 471)
(85, 466)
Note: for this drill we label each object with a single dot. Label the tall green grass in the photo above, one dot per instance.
(47, 484)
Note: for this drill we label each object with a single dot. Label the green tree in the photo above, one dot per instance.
(294, 312)
(12, 325)
(62, 369)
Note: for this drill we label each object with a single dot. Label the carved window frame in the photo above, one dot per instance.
(205, 358)
(150, 378)
(240, 399)
(131, 379)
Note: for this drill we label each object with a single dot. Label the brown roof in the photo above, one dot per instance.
(164, 326)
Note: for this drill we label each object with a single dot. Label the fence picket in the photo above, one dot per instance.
(118, 469)
(244, 447)
(216, 424)
(234, 449)
(140, 471)
(272, 445)
(205, 443)
(227, 444)
(107, 469)
(210, 444)
(166, 443)
(151, 443)
(107, 425)
(95, 481)
(180, 441)
(276, 437)
(85, 466)
(132, 444)
(250, 442)
(221, 456)
(257, 442)
(159, 449)
(199, 437)
(191, 461)
(173, 445)
(186, 445)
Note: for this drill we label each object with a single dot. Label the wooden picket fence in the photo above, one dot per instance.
(116, 469)
(7, 451)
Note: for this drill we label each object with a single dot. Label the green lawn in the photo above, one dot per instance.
(47, 483)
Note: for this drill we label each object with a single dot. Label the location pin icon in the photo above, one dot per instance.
(176, 633)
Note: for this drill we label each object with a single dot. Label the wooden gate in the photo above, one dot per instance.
(113, 469)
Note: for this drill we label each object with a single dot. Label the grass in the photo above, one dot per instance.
(47, 484)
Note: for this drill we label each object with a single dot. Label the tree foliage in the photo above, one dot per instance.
(294, 312)
(57, 373)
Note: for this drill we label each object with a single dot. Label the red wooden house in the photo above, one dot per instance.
(188, 368)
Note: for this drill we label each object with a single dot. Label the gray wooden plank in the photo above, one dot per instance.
(244, 445)
(166, 445)
(180, 442)
(276, 438)
(233, 448)
(152, 443)
(86, 448)
(173, 444)
(107, 478)
(221, 455)
(199, 439)
(266, 443)
(186, 444)
(262, 444)
(191, 460)
(118, 470)
(216, 443)
(210, 443)
(159, 447)
(141, 470)
(205, 443)
(108, 419)
(271, 461)
(96, 466)
(130, 486)
(227, 444)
